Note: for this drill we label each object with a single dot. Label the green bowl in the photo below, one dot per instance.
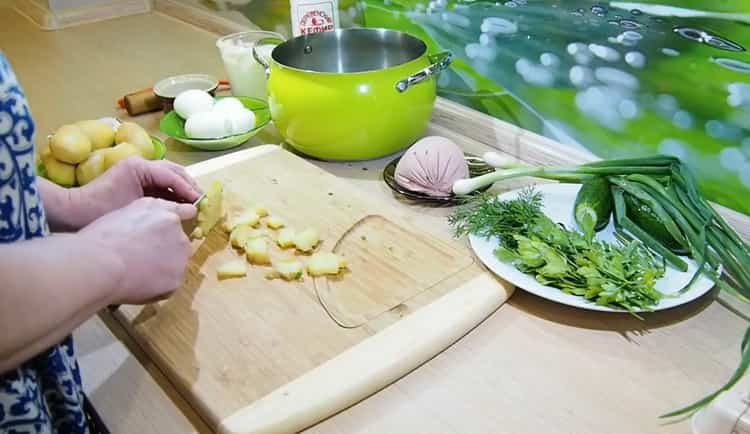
(174, 126)
(160, 151)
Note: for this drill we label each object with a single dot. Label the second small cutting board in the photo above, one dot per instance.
(260, 356)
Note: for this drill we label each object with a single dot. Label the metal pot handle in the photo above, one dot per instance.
(257, 57)
(440, 62)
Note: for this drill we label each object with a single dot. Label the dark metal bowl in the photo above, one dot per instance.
(477, 167)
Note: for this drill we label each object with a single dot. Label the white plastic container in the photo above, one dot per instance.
(313, 16)
(246, 76)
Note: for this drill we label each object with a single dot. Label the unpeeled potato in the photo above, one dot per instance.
(118, 152)
(99, 133)
(59, 172)
(130, 132)
(70, 145)
(91, 168)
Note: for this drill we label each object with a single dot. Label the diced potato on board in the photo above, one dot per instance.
(306, 240)
(242, 234)
(287, 270)
(247, 218)
(323, 263)
(285, 239)
(275, 222)
(256, 250)
(233, 268)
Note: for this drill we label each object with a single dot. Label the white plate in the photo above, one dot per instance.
(558, 205)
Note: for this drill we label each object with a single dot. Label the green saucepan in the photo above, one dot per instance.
(351, 94)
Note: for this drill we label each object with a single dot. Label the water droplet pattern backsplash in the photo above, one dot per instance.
(616, 81)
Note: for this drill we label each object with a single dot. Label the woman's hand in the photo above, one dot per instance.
(50, 285)
(147, 238)
(126, 181)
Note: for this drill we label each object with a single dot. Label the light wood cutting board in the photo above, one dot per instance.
(268, 356)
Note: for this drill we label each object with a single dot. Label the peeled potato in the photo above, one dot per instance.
(275, 222)
(233, 268)
(285, 238)
(118, 152)
(60, 173)
(241, 234)
(130, 132)
(70, 145)
(261, 210)
(287, 270)
(256, 251)
(306, 240)
(91, 168)
(323, 263)
(247, 218)
(210, 209)
(99, 133)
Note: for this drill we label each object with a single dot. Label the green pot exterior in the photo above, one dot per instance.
(350, 116)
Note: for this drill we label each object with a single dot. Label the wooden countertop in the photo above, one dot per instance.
(534, 366)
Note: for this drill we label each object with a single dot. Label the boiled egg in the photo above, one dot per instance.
(228, 105)
(208, 125)
(240, 121)
(193, 101)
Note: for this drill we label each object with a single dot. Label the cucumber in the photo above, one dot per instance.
(642, 215)
(593, 206)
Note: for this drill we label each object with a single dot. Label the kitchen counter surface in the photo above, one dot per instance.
(533, 366)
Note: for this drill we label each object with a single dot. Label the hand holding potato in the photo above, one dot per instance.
(153, 251)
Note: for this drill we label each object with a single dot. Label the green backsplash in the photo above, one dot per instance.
(619, 79)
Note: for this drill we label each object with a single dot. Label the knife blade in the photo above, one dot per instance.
(188, 226)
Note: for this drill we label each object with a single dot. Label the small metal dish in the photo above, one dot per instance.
(168, 88)
(477, 167)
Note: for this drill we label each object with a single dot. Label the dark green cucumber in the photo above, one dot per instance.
(641, 214)
(593, 206)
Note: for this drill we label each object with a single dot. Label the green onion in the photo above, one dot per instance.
(738, 373)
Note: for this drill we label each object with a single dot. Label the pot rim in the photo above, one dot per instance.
(421, 55)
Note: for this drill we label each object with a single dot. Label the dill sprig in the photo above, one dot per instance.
(488, 216)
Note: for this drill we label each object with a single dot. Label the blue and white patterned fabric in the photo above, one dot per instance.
(44, 394)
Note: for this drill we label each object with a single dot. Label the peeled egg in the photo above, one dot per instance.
(208, 125)
(193, 101)
(240, 121)
(227, 105)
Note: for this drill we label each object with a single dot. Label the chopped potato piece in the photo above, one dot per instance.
(322, 263)
(247, 218)
(233, 268)
(287, 270)
(285, 238)
(306, 240)
(210, 209)
(261, 210)
(256, 250)
(242, 234)
(275, 222)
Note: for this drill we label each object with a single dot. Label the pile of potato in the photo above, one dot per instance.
(246, 235)
(79, 152)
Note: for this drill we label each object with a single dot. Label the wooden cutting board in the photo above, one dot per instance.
(268, 356)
